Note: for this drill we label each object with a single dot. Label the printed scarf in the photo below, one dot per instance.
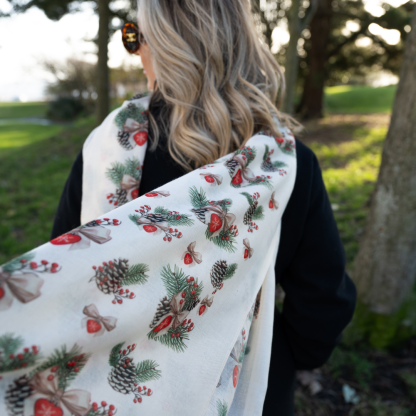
(158, 305)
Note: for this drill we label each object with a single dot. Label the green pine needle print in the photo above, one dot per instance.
(114, 354)
(249, 152)
(231, 269)
(175, 219)
(261, 180)
(258, 213)
(118, 170)
(174, 281)
(68, 363)
(13, 359)
(133, 111)
(136, 275)
(248, 197)
(222, 408)
(198, 199)
(221, 240)
(176, 343)
(16, 264)
(146, 371)
(286, 146)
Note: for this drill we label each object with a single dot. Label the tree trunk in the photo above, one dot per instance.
(292, 59)
(312, 102)
(103, 81)
(385, 267)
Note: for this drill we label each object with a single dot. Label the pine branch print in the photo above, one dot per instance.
(115, 174)
(16, 264)
(67, 364)
(10, 357)
(258, 213)
(114, 354)
(198, 199)
(249, 152)
(136, 275)
(248, 197)
(171, 340)
(9, 344)
(174, 281)
(222, 408)
(231, 269)
(146, 371)
(221, 240)
(133, 111)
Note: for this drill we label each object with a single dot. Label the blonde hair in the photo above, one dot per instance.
(219, 81)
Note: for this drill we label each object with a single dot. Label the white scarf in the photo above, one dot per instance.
(163, 306)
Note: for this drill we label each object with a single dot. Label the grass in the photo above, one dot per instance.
(359, 99)
(350, 171)
(33, 171)
(23, 110)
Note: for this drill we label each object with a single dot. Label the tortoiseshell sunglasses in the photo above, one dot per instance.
(132, 37)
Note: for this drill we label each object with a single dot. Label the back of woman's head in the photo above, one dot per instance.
(219, 81)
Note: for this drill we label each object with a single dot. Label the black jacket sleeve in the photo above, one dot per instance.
(68, 214)
(320, 297)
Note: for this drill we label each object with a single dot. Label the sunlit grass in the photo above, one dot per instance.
(359, 99)
(23, 110)
(350, 171)
(18, 135)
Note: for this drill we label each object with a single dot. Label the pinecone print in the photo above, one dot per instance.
(123, 376)
(121, 196)
(231, 165)
(123, 139)
(162, 310)
(218, 272)
(16, 395)
(248, 216)
(193, 305)
(109, 276)
(267, 166)
(200, 214)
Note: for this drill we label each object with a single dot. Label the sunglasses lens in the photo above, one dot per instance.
(130, 36)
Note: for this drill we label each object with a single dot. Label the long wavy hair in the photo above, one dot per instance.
(218, 81)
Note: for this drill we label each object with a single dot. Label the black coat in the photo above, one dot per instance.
(310, 267)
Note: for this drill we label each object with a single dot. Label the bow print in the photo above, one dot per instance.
(71, 402)
(248, 251)
(152, 226)
(219, 219)
(273, 204)
(25, 287)
(212, 179)
(205, 304)
(129, 184)
(176, 315)
(137, 131)
(190, 256)
(95, 323)
(241, 175)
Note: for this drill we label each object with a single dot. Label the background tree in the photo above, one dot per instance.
(111, 13)
(385, 267)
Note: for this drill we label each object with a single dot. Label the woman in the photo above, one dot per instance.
(214, 85)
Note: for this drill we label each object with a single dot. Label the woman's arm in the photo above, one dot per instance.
(320, 297)
(68, 214)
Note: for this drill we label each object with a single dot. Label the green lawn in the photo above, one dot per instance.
(22, 110)
(35, 162)
(359, 99)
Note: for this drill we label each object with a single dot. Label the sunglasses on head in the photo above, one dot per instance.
(132, 37)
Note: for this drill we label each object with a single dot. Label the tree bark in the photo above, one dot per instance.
(292, 59)
(103, 78)
(312, 101)
(385, 267)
